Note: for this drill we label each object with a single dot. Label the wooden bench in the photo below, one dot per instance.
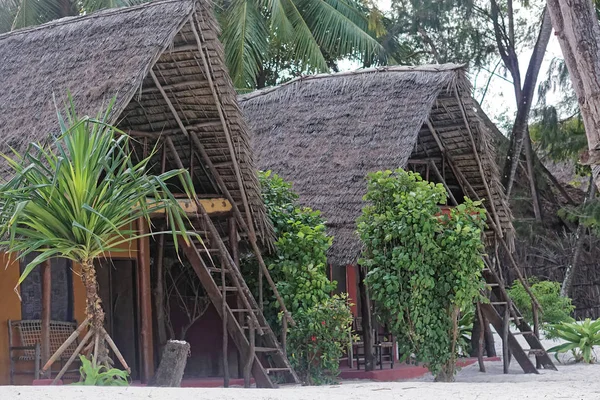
(24, 345)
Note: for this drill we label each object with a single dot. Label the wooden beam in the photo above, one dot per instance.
(145, 290)
(190, 206)
(46, 311)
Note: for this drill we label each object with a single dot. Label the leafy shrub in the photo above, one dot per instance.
(555, 308)
(423, 266)
(580, 337)
(319, 339)
(465, 331)
(298, 265)
(101, 375)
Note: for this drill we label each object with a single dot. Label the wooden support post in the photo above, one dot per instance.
(225, 333)
(46, 313)
(505, 347)
(536, 332)
(250, 355)
(146, 341)
(366, 321)
(233, 241)
(284, 328)
(481, 338)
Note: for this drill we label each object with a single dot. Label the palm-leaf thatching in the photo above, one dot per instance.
(326, 132)
(163, 63)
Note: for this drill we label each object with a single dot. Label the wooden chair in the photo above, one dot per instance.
(24, 344)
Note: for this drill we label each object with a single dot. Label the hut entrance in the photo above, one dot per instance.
(118, 291)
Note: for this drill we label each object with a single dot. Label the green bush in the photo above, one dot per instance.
(555, 308)
(100, 375)
(580, 338)
(423, 266)
(320, 337)
(298, 265)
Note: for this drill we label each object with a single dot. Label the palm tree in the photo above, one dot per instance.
(311, 33)
(78, 198)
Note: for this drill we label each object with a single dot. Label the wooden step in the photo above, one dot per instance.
(537, 351)
(266, 349)
(211, 269)
(242, 310)
(264, 328)
(523, 333)
(269, 370)
(492, 284)
(498, 303)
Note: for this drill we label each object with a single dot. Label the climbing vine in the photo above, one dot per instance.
(424, 265)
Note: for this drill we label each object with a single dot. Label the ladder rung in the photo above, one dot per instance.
(229, 288)
(499, 303)
(492, 284)
(538, 351)
(212, 269)
(269, 370)
(202, 249)
(266, 349)
(513, 318)
(523, 333)
(242, 310)
(262, 327)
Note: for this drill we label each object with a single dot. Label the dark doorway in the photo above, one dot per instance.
(117, 285)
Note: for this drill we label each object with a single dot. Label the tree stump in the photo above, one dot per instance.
(172, 364)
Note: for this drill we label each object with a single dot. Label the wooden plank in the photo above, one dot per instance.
(212, 206)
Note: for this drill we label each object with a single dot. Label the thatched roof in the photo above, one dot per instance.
(326, 132)
(111, 53)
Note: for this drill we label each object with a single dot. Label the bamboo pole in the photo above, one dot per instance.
(114, 348)
(73, 356)
(65, 345)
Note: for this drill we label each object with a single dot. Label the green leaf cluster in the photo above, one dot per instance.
(556, 308)
(423, 266)
(580, 337)
(100, 375)
(321, 336)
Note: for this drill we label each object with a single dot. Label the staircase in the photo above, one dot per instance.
(500, 312)
(221, 278)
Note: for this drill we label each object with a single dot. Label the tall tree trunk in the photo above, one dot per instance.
(579, 236)
(578, 31)
(93, 308)
(520, 133)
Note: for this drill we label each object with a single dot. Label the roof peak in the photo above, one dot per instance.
(96, 14)
(435, 68)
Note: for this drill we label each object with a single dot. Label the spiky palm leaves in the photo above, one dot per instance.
(79, 198)
(311, 32)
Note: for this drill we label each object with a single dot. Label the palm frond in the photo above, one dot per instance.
(79, 197)
(245, 34)
(336, 29)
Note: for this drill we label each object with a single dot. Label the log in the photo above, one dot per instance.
(172, 365)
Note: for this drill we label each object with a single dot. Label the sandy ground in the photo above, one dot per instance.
(571, 381)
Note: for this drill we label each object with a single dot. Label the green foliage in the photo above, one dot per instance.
(423, 266)
(555, 307)
(320, 338)
(298, 265)
(465, 330)
(80, 196)
(580, 337)
(302, 36)
(100, 375)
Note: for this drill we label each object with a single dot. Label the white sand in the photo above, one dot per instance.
(574, 381)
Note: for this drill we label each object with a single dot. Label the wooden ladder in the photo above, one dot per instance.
(500, 312)
(255, 340)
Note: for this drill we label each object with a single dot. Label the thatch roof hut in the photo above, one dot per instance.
(326, 132)
(140, 55)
